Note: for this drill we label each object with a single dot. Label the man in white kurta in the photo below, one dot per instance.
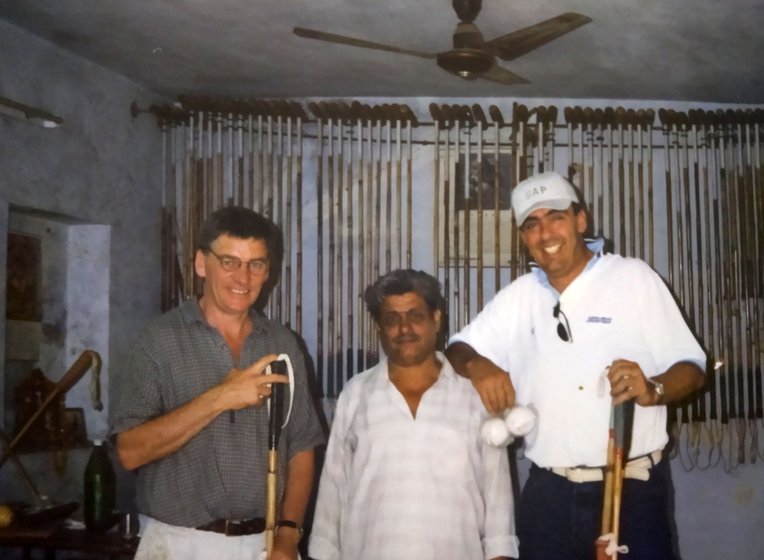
(406, 474)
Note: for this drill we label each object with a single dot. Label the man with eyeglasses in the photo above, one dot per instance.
(406, 475)
(582, 331)
(191, 420)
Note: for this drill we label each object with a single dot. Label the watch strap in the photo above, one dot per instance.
(291, 524)
(659, 389)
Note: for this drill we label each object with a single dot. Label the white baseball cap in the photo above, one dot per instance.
(545, 190)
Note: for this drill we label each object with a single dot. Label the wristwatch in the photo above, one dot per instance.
(290, 523)
(659, 390)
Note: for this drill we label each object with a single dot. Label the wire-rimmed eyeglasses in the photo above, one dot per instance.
(229, 263)
(563, 330)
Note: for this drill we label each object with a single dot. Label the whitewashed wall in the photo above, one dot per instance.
(102, 167)
(97, 173)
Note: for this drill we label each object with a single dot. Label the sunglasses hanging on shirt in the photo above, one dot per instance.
(563, 329)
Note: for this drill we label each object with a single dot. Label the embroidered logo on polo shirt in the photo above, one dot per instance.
(595, 319)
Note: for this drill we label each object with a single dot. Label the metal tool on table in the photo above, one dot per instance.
(43, 509)
(88, 359)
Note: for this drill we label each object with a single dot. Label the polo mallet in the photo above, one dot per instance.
(399, 181)
(410, 122)
(282, 365)
(607, 544)
(288, 222)
(332, 209)
(498, 121)
(388, 123)
(482, 123)
(607, 504)
(318, 113)
(87, 360)
(457, 293)
(301, 118)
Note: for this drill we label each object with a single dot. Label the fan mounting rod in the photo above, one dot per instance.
(467, 10)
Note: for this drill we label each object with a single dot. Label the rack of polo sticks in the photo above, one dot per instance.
(611, 151)
(477, 162)
(353, 214)
(361, 189)
(696, 215)
(364, 189)
(714, 185)
(220, 152)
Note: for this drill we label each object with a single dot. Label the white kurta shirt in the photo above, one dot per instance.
(398, 487)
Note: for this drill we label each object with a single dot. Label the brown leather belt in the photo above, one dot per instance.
(235, 527)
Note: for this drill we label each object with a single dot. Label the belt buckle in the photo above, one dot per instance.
(232, 527)
(574, 474)
(584, 474)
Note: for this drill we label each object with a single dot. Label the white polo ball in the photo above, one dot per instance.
(494, 432)
(520, 420)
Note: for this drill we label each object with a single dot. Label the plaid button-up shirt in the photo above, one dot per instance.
(220, 472)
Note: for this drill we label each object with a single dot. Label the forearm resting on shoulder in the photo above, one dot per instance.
(491, 382)
(459, 355)
(161, 436)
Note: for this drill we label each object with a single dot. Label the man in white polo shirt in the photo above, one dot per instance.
(581, 331)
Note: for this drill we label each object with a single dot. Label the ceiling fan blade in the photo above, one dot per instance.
(501, 75)
(515, 44)
(351, 41)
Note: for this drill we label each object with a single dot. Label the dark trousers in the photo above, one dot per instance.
(560, 520)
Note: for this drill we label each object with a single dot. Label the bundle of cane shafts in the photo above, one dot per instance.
(477, 163)
(246, 152)
(712, 195)
(251, 152)
(610, 153)
(364, 185)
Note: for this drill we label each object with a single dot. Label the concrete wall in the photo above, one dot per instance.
(102, 168)
(98, 173)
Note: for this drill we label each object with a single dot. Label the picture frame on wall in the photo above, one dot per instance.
(481, 185)
(23, 278)
(482, 182)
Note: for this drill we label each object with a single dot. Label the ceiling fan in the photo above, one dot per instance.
(471, 57)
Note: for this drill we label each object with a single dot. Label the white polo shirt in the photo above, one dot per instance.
(617, 308)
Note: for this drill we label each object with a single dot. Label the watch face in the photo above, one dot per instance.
(658, 387)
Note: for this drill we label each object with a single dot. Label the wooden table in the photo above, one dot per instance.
(55, 537)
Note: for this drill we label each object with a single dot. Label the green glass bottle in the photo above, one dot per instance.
(100, 490)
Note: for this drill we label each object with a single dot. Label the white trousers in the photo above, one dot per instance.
(160, 541)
